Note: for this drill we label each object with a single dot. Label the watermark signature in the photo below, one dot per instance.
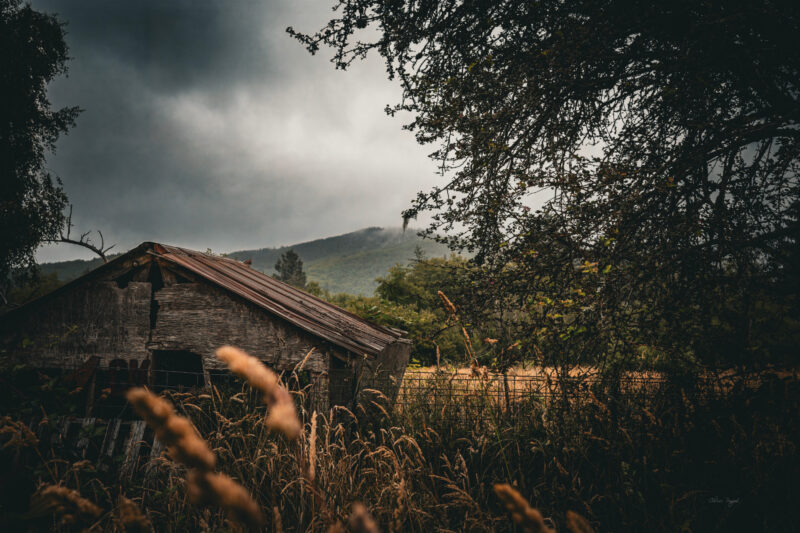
(730, 502)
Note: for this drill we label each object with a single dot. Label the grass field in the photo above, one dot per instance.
(662, 461)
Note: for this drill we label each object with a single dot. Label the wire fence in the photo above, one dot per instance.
(487, 403)
(455, 395)
(481, 399)
(514, 387)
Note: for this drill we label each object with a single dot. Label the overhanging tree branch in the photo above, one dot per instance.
(84, 240)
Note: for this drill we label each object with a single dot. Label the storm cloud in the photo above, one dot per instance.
(206, 125)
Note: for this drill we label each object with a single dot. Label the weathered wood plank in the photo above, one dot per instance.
(95, 319)
(200, 318)
(83, 441)
(132, 445)
(110, 439)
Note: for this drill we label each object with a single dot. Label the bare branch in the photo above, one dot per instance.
(84, 240)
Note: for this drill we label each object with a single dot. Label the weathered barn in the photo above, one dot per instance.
(156, 315)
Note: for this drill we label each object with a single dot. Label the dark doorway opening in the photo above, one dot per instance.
(341, 384)
(177, 369)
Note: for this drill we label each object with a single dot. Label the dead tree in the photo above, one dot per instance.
(84, 240)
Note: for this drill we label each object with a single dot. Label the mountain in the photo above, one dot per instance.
(69, 270)
(350, 262)
(344, 263)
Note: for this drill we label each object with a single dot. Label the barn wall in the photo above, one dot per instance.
(201, 318)
(385, 372)
(93, 319)
(110, 321)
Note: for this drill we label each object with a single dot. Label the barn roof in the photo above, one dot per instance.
(309, 313)
(304, 310)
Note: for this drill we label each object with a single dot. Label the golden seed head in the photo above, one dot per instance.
(312, 449)
(361, 521)
(153, 409)
(131, 517)
(205, 487)
(283, 415)
(18, 433)
(277, 523)
(175, 432)
(578, 524)
(193, 452)
(283, 418)
(65, 503)
(336, 528)
(249, 368)
(447, 303)
(521, 512)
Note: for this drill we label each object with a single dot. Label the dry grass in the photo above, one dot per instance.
(207, 487)
(130, 516)
(528, 518)
(175, 432)
(282, 415)
(185, 446)
(622, 466)
(585, 373)
(361, 521)
(188, 448)
(66, 505)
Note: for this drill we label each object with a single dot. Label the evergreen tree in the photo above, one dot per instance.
(290, 269)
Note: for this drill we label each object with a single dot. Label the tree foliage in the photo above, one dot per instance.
(625, 172)
(31, 289)
(407, 298)
(32, 53)
(289, 268)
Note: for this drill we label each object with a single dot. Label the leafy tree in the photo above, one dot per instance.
(32, 53)
(33, 288)
(417, 284)
(624, 171)
(290, 269)
(407, 298)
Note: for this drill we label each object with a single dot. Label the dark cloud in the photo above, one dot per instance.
(173, 45)
(206, 125)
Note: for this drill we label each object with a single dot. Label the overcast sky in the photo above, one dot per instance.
(205, 125)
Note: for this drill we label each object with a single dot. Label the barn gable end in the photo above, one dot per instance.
(94, 319)
(200, 318)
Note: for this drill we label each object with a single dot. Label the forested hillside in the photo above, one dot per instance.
(344, 263)
(351, 262)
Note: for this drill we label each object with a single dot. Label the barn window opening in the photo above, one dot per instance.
(223, 378)
(177, 369)
(341, 384)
